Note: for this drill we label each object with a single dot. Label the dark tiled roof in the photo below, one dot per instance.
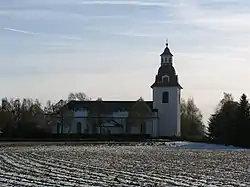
(106, 106)
(170, 72)
(162, 84)
(167, 51)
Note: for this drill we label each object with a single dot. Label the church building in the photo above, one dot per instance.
(157, 118)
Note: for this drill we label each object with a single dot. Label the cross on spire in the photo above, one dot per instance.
(166, 50)
(167, 42)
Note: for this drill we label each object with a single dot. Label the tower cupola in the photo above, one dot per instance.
(166, 75)
(166, 56)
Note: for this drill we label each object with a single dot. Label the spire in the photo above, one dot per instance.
(166, 51)
(166, 76)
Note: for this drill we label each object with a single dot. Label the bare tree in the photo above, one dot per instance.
(21, 115)
(48, 107)
(138, 115)
(71, 97)
(191, 120)
(78, 96)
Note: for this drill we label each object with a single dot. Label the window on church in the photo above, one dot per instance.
(165, 97)
(165, 79)
(79, 128)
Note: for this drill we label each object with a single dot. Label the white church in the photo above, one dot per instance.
(157, 118)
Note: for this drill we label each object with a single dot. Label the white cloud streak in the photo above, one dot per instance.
(37, 34)
(136, 3)
(21, 31)
(226, 22)
(213, 19)
(137, 34)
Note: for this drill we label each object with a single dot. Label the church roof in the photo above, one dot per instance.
(166, 51)
(166, 70)
(163, 84)
(166, 76)
(106, 106)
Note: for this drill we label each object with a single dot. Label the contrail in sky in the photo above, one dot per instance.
(21, 31)
(36, 34)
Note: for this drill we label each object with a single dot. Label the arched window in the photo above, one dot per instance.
(165, 78)
(58, 128)
(79, 128)
(165, 97)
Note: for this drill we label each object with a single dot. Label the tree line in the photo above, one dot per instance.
(24, 116)
(229, 124)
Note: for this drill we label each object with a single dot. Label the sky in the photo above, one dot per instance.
(111, 49)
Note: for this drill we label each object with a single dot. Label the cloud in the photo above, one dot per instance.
(226, 18)
(100, 16)
(21, 31)
(138, 34)
(37, 34)
(69, 37)
(57, 60)
(56, 44)
(225, 22)
(135, 3)
(3, 12)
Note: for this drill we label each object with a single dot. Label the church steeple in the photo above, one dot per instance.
(166, 74)
(166, 56)
(166, 96)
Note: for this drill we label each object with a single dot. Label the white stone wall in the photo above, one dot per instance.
(136, 129)
(169, 113)
(155, 125)
(54, 127)
(119, 117)
(71, 127)
(113, 130)
(83, 121)
(149, 127)
(122, 120)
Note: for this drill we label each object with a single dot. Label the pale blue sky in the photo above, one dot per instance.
(111, 49)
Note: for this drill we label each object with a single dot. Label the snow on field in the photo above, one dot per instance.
(172, 164)
(192, 145)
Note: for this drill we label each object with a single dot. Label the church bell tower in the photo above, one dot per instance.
(166, 96)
